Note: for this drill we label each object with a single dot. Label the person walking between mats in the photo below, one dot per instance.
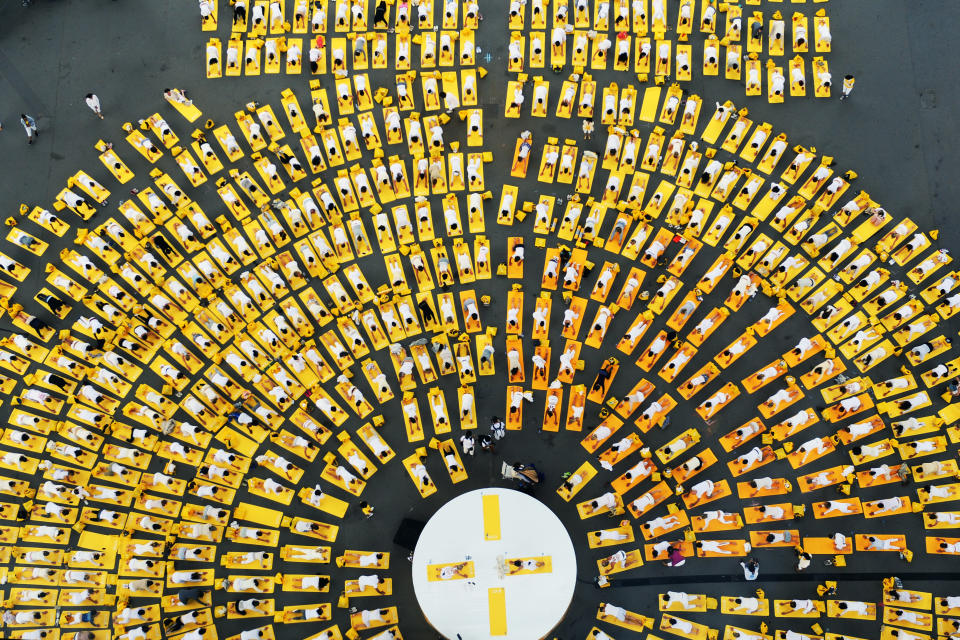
(848, 82)
(498, 428)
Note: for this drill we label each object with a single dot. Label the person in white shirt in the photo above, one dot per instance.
(369, 616)
(715, 546)
(908, 616)
(944, 517)
(854, 607)
(684, 627)
(771, 512)
(372, 581)
(609, 535)
(663, 522)
(686, 600)
(622, 614)
(843, 508)
(814, 446)
(307, 554)
(702, 489)
(883, 544)
(94, 103)
(606, 501)
(887, 505)
(801, 606)
(747, 605)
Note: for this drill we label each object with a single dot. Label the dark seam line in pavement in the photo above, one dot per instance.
(787, 577)
(19, 83)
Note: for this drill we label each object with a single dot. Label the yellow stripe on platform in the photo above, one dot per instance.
(491, 517)
(498, 611)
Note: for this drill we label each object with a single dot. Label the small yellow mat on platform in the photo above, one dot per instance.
(491, 517)
(498, 611)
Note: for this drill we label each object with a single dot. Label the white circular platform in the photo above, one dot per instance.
(532, 603)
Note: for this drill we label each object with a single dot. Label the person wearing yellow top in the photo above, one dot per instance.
(848, 82)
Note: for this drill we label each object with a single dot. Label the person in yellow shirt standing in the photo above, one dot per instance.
(587, 129)
(848, 82)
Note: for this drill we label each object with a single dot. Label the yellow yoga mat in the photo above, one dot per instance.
(190, 112)
(99, 541)
(498, 611)
(329, 504)
(333, 506)
(260, 515)
(950, 413)
(237, 441)
(491, 517)
(648, 109)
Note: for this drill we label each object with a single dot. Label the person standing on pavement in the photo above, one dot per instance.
(467, 443)
(848, 82)
(30, 126)
(487, 444)
(751, 569)
(94, 103)
(498, 428)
